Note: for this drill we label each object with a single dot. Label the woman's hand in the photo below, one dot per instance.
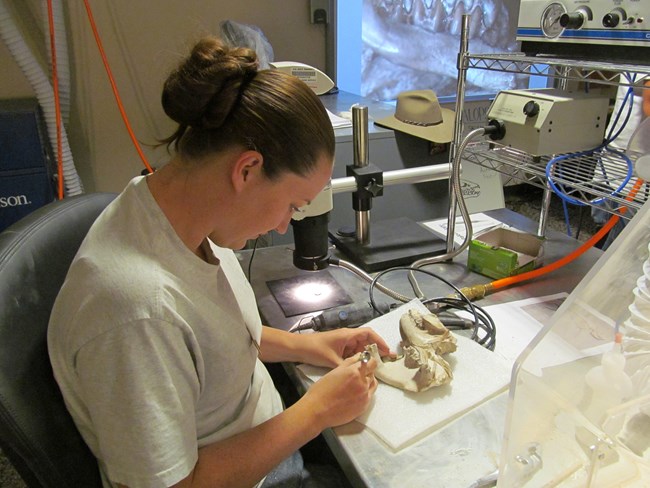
(331, 348)
(344, 393)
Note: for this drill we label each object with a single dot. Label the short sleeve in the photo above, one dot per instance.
(141, 383)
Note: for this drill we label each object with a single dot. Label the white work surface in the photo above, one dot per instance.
(449, 437)
(478, 374)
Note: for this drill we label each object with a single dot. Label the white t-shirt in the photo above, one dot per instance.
(152, 346)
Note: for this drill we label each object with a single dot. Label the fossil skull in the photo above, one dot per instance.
(424, 340)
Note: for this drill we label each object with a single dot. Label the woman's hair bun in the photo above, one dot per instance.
(203, 90)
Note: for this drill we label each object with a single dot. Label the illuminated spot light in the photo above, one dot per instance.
(312, 292)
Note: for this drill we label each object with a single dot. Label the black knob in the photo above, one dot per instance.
(611, 19)
(374, 188)
(531, 109)
(574, 20)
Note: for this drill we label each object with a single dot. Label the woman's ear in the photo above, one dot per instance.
(246, 169)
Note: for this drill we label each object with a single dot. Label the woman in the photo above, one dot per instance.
(155, 338)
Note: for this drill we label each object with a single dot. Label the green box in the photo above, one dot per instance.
(499, 253)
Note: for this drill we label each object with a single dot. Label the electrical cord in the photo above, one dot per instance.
(481, 319)
(554, 167)
(57, 102)
(566, 218)
(114, 88)
(250, 262)
(628, 96)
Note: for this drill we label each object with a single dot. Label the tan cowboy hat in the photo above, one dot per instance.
(418, 113)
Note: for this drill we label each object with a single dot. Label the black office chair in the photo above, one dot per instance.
(37, 433)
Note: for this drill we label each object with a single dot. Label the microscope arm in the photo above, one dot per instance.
(310, 222)
(420, 174)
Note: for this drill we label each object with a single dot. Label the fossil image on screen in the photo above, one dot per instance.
(414, 44)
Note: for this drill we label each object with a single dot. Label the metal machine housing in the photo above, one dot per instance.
(550, 121)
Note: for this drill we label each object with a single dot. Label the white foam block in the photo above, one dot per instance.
(400, 418)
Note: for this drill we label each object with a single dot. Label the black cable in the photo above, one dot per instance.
(580, 221)
(482, 320)
(250, 263)
(373, 283)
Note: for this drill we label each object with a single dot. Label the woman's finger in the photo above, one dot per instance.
(373, 385)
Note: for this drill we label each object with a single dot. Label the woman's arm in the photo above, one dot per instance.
(242, 460)
(337, 398)
(327, 349)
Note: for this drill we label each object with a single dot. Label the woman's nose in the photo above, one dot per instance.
(284, 225)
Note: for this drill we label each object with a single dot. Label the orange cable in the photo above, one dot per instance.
(510, 280)
(57, 103)
(478, 291)
(114, 87)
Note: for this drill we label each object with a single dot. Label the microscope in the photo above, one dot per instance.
(375, 247)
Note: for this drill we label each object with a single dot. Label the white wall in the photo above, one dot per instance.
(143, 41)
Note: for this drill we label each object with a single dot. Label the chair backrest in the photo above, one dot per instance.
(37, 433)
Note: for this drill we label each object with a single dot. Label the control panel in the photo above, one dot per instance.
(607, 23)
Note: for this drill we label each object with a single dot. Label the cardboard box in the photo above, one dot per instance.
(501, 252)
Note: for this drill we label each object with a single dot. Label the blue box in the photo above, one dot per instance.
(25, 160)
(22, 192)
(23, 137)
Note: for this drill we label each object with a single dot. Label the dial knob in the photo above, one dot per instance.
(550, 21)
(574, 20)
(374, 188)
(611, 19)
(531, 109)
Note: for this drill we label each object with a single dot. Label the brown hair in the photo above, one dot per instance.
(220, 99)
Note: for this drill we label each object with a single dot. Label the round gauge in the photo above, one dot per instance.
(550, 21)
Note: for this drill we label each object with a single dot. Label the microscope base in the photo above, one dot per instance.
(394, 242)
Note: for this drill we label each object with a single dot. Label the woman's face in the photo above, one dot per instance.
(270, 204)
